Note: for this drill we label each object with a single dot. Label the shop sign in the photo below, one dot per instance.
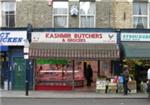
(68, 37)
(135, 36)
(13, 38)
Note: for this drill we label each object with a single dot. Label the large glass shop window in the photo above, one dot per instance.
(58, 72)
(49, 71)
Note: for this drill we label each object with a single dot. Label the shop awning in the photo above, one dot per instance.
(79, 51)
(137, 50)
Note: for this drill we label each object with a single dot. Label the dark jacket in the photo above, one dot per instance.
(126, 75)
(89, 72)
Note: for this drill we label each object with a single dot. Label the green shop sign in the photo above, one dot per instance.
(51, 61)
(135, 36)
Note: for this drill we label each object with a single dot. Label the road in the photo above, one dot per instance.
(24, 101)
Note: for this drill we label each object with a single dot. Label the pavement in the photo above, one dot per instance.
(68, 94)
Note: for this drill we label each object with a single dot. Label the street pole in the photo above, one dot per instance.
(26, 57)
(73, 82)
(27, 81)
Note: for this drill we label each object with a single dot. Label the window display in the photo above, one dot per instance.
(53, 72)
(58, 73)
(50, 72)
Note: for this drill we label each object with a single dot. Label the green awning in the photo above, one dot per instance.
(136, 50)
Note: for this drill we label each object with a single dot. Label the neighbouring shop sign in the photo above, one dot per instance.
(135, 36)
(13, 38)
(74, 37)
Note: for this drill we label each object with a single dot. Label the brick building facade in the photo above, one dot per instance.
(69, 17)
(108, 13)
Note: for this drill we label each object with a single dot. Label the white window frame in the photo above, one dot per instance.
(4, 15)
(66, 15)
(146, 16)
(94, 15)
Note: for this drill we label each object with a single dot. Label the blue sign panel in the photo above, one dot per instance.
(3, 48)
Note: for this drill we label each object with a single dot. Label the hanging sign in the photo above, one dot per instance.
(13, 38)
(68, 37)
(135, 36)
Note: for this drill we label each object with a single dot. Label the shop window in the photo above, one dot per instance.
(8, 14)
(59, 72)
(54, 72)
(60, 14)
(140, 14)
(105, 69)
(87, 14)
(79, 70)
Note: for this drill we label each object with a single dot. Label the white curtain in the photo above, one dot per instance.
(60, 14)
(60, 21)
(87, 21)
(140, 13)
(140, 20)
(8, 7)
(87, 14)
(87, 8)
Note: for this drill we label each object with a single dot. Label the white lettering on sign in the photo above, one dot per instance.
(12, 38)
(135, 37)
(68, 37)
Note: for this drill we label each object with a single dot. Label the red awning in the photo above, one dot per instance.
(79, 51)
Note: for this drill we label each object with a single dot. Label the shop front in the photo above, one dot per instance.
(12, 59)
(3, 65)
(136, 52)
(61, 58)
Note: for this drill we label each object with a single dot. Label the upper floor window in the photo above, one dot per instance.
(60, 14)
(8, 14)
(140, 15)
(87, 15)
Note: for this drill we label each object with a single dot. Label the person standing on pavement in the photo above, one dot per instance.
(89, 75)
(148, 74)
(125, 80)
(148, 82)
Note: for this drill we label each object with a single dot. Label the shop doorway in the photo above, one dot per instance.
(18, 73)
(3, 69)
(83, 72)
(84, 68)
